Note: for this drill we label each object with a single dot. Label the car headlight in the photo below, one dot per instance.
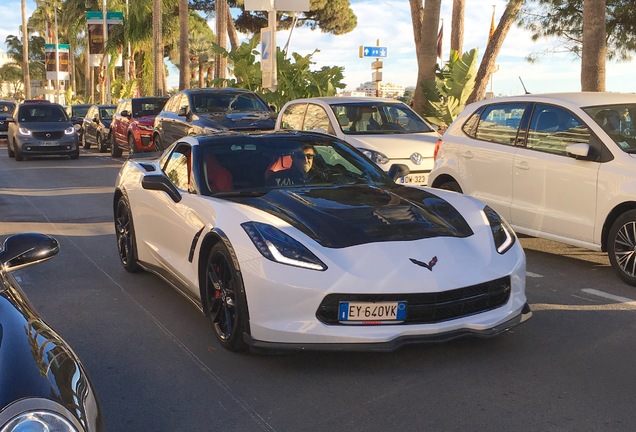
(502, 233)
(24, 131)
(375, 156)
(145, 128)
(38, 421)
(70, 131)
(277, 246)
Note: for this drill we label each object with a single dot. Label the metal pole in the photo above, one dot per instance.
(106, 93)
(127, 61)
(25, 54)
(57, 58)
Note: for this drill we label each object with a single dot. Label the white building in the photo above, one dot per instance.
(387, 90)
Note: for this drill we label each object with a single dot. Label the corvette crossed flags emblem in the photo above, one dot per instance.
(430, 264)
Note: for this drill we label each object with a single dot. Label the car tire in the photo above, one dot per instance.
(225, 302)
(158, 144)
(451, 186)
(75, 154)
(621, 246)
(18, 154)
(9, 149)
(132, 147)
(125, 235)
(101, 147)
(85, 143)
(115, 151)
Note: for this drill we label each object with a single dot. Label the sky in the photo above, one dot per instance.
(389, 23)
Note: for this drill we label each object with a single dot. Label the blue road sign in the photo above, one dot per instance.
(373, 51)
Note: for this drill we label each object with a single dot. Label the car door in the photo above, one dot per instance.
(486, 153)
(553, 192)
(169, 227)
(89, 125)
(121, 125)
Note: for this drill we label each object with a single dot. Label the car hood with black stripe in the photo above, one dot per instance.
(350, 215)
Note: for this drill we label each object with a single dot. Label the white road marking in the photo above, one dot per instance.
(534, 275)
(608, 296)
(622, 303)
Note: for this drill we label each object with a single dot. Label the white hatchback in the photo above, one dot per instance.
(387, 131)
(556, 166)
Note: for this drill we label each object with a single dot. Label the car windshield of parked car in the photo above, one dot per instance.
(43, 113)
(147, 107)
(219, 102)
(106, 113)
(617, 121)
(6, 108)
(79, 111)
(378, 118)
(257, 166)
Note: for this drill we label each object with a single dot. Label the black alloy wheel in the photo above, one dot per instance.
(9, 149)
(158, 144)
(125, 233)
(115, 151)
(621, 246)
(131, 145)
(225, 299)
(101, 147)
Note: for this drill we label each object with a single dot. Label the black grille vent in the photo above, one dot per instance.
(42, 136)
(428, 308)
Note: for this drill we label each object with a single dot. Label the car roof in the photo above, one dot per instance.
(580, 99)
(347, 100)
(217, 90)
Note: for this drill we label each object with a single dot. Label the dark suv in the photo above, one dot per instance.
(202, 111)
(41, 129)
(6, 111)
(131, 127)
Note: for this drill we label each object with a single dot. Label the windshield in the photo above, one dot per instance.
(106, 113)
(6, 108)
(147, 106)
(282, 162)
(224, 102)
(80, 111)
(617, 121)
(42, 113)
(376, 118)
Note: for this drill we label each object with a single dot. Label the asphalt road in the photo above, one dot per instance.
(157, 367)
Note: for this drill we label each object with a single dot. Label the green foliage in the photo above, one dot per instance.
(295, 77)
(330, 16)
(564, 20)
(447, 95)
(122, 90)
(12, 74)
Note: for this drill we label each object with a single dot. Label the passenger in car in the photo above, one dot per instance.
(293, 170)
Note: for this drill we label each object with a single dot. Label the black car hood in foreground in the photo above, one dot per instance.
(350, 215)
(37, 363)
(239, 120)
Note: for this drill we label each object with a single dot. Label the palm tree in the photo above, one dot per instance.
(184, 50)
(25, 57)
(457, 26)
(425, 24)
(594, 47)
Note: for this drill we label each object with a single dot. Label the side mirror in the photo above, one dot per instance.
(183, 112)
(160, 183)
(578, 150)
(22, 250)
(398, 170)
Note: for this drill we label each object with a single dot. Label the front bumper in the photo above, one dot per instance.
(392, 345)
(30, 146)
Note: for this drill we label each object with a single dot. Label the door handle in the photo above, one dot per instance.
(523, 165)
(467, 154)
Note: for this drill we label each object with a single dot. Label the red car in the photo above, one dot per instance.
(132, 124)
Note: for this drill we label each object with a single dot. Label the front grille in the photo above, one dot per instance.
(145, 140)
(42, 136)
(429, 308)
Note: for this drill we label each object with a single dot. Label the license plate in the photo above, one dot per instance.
(416, 179)
(49, 143)
(372, 311)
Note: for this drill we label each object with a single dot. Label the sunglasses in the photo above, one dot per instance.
(306, 155)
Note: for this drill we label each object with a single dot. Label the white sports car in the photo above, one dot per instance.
(296, 240)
